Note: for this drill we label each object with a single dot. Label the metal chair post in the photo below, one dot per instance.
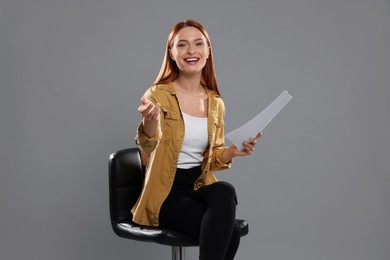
(178, 253)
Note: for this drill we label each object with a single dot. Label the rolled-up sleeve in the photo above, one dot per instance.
(216, 163)
(147, 144)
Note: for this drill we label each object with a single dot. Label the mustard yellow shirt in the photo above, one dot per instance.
(163, 149)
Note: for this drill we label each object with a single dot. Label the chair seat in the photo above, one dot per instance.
(126, 178)
(161, 235)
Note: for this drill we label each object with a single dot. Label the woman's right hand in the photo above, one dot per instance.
(150, 116)
(148, 110)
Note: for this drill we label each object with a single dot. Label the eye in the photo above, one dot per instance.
(181, 45)
(200, 44)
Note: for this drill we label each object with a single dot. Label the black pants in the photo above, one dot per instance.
(207, 214)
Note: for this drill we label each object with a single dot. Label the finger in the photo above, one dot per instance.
(253, 141)
(157, 107)
(145, 108)
(145, 100)
(250, 143)
(153, 113)
(248, 147)
(156, 112)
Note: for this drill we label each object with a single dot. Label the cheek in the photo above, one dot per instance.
(207, 53)
(175, 53)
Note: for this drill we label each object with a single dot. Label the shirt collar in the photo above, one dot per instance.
(169, 87)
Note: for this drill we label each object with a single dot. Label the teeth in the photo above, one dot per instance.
(192, 59)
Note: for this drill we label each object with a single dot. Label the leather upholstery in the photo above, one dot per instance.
(126, 176)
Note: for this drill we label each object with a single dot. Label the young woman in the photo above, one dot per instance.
(181, 136)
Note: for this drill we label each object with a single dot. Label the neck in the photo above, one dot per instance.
(190, 84)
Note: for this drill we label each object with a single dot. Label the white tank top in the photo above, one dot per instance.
(195, 142)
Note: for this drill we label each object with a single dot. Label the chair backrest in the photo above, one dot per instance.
(126, 177)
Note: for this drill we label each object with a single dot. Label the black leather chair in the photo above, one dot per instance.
(126, 176)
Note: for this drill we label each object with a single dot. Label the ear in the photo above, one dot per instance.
(170, 54)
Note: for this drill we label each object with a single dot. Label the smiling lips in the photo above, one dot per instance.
(191, 60)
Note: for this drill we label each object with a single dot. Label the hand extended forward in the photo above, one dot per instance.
(150, 116)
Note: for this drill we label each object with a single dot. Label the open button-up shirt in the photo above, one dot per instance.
(162, 151)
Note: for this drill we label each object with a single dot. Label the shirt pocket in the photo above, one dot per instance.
(169, 124)
(218, 127)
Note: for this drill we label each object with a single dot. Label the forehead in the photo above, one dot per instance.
(189, 33)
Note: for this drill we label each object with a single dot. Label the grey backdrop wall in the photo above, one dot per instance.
(72, 73)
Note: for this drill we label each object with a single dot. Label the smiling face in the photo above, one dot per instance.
(190, 50)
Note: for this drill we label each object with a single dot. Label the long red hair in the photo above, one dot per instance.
(169, 70)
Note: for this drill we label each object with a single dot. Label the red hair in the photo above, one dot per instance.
(169, 70)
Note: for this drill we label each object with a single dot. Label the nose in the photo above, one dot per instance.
(190, 49)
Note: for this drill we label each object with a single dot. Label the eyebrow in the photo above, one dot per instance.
(198, 39)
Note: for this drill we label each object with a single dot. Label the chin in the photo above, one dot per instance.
(191, 70)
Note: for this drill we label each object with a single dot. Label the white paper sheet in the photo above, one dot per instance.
(259, 122)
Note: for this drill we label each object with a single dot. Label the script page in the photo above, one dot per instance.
(259, 122)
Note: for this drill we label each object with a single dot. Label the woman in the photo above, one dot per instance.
(181, 136)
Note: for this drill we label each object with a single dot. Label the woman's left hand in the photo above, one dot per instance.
(249, 148)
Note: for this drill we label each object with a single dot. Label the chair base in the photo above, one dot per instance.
(178, 253)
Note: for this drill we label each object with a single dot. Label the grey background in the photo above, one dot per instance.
(72, 73)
